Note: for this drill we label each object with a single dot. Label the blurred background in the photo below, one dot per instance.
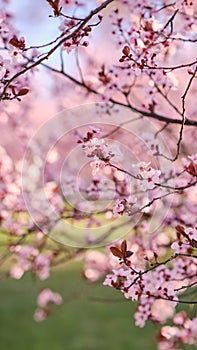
(92, 317)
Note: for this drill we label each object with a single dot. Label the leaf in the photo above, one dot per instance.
(14, 41)
(13, 90)
(124, 246)
(191, 169)
(128, 253)
(19, 44)
(55, 6)
(23, 91)
(116, 252)
(126, 50)
(180, 229)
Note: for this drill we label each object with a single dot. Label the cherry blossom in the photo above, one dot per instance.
(119, 207)
(40, 315)
(46, 296)
(28, 258)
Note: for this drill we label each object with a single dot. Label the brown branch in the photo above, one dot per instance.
(153, 115)
(183, 114)
(129, 121)
(141, 273)
(79, 65)
(181, 188)
(175, 300)
(165, 96)
(165, 68)
(123, 171)
(5, 255)
(151, 202)
(173, 257)
(186, 286)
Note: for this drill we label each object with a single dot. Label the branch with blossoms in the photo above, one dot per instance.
(107, 76)
(157, 281)
(155, 285)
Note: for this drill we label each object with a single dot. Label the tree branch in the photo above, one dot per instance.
(152, 115)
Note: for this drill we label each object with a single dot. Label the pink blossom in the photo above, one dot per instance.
(46, 296)
(180, 247)
(96, 265)
(16, 55)
(40, 315)
(169, 332)
(42, 266)
(28, 258)
(98, 148)
(180, 318)
(142, 314)
(119, 207)
(109, 279)
(95, 165)
(16, 272)
(167, 308)
(192, 233)
(148, 176)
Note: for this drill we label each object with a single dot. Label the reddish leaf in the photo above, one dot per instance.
(128, 254)
(116, 252)
(55, 6)
(23, 91)
(191, 169)
(20, 44)
(126, 50)
(180, 229)
(14, 41)
(13, 90)
(124, 247)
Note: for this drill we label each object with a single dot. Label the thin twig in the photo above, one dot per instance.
(153, 115)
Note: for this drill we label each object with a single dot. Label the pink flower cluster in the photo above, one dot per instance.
(184, 330)
(46, 297)
(119, 207)
(148, 176)
(29, 258)
(155, 284)
(96, 265)
(98, 148)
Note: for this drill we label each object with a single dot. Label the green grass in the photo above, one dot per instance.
(80, 324)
